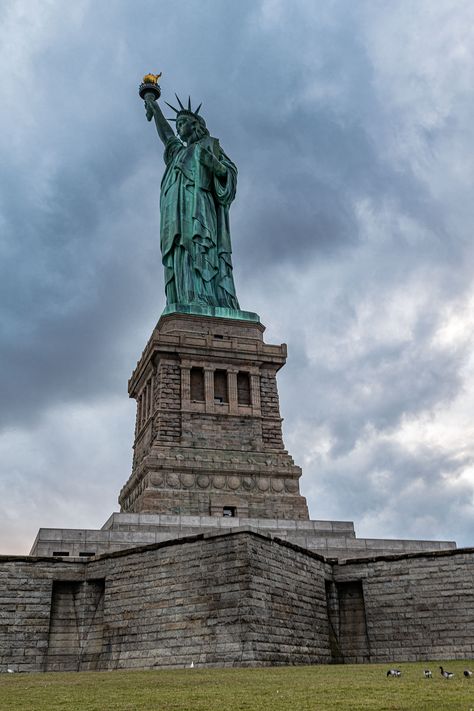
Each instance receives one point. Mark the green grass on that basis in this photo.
(317, 688)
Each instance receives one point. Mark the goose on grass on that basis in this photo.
(394, 672)
(447, 674)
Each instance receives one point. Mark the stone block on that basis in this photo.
(99, 537)
(170, 520)
(286, 523)
(56, 534)
(132, 537)
(264, 523)
(147, 519)
(342, 526)
(190, 521)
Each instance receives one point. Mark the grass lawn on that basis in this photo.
(317, 688)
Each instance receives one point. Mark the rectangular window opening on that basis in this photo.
(197, 384)
(86, 554)
(220, 386)
(243, 388)
(229, 511)
(60, 553)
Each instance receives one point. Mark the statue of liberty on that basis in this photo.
(197, 189)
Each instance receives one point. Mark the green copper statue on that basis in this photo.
(197, 189)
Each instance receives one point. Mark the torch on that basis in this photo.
(150, 89)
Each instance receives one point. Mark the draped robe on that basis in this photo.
(194, 227)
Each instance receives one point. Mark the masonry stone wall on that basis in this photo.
(288, 621)
(232, 433)
(167, 416)
(26, 586)
(417, 606)
(271, 419)
(175, 604)
(76, 626)
(235, 599)
(227, 600)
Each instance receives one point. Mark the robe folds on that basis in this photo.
(194, 226)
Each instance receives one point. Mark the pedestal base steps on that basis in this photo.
(333, 539)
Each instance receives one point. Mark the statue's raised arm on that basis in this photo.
(152, 109)
(197, 189)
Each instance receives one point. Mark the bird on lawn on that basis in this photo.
(467, 673)
(427, 674)
(394, 672)
(446, 674)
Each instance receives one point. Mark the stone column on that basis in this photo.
(140, 411)
(209, 389)
(255, 392)
(232, 391)
(185, 384)
(147, 400)
(152, 392)
(137, 418)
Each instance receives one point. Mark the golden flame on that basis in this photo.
(151, 78)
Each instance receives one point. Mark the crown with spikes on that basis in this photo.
(186, 111)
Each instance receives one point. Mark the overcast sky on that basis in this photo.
(351, 124)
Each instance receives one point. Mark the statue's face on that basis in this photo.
(185, 127)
